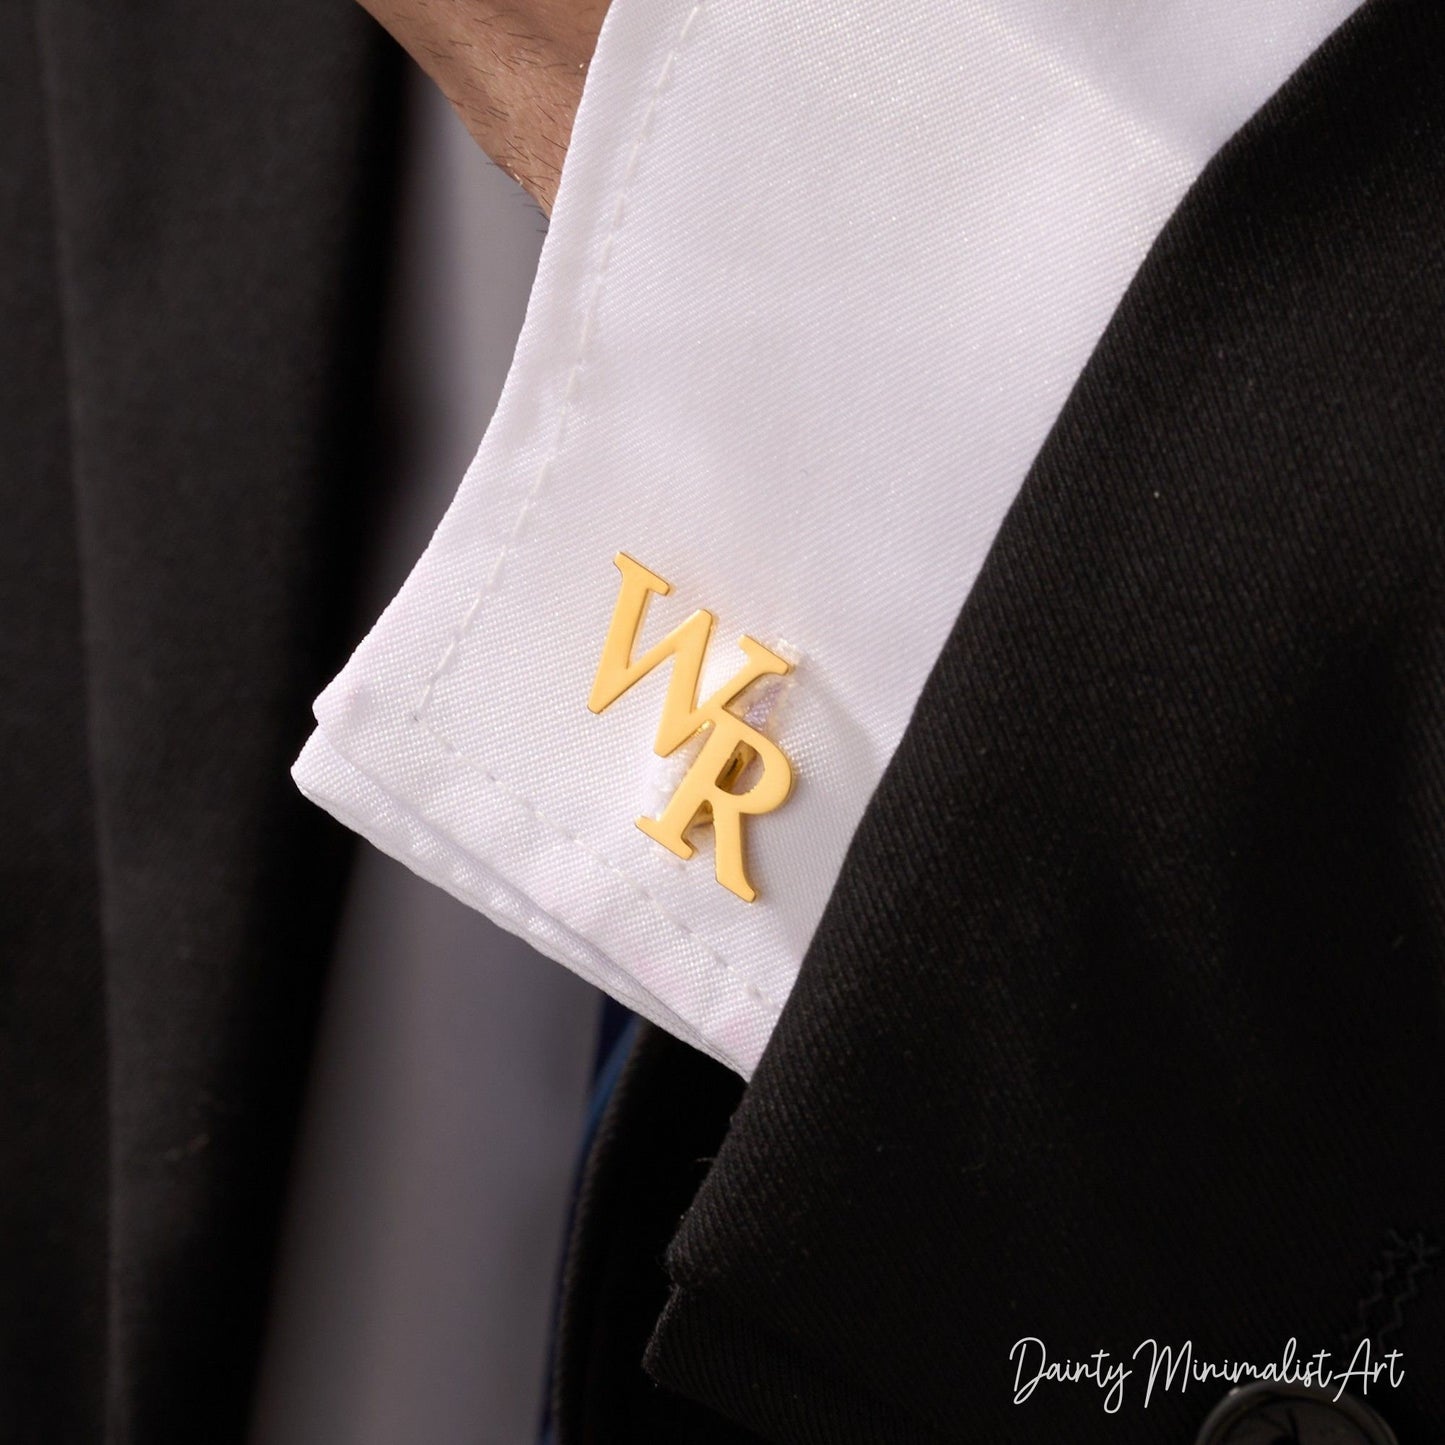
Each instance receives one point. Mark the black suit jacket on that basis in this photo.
(191, 201)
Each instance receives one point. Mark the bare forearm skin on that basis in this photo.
(513, 72)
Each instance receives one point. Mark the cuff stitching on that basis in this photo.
(644, 129)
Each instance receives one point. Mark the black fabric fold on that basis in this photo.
(196, 235)
(54, 1097)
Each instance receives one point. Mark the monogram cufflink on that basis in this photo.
(731, 750)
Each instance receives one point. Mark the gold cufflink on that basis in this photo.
(730, 747)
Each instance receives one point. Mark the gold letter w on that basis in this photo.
(730, 746)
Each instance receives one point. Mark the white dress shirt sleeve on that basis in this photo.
(818, 281)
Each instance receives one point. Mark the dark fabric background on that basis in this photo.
(192, 201)
(1125, 1019)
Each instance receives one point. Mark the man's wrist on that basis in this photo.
(513, 73)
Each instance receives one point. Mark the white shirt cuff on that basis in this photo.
(818, 281)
